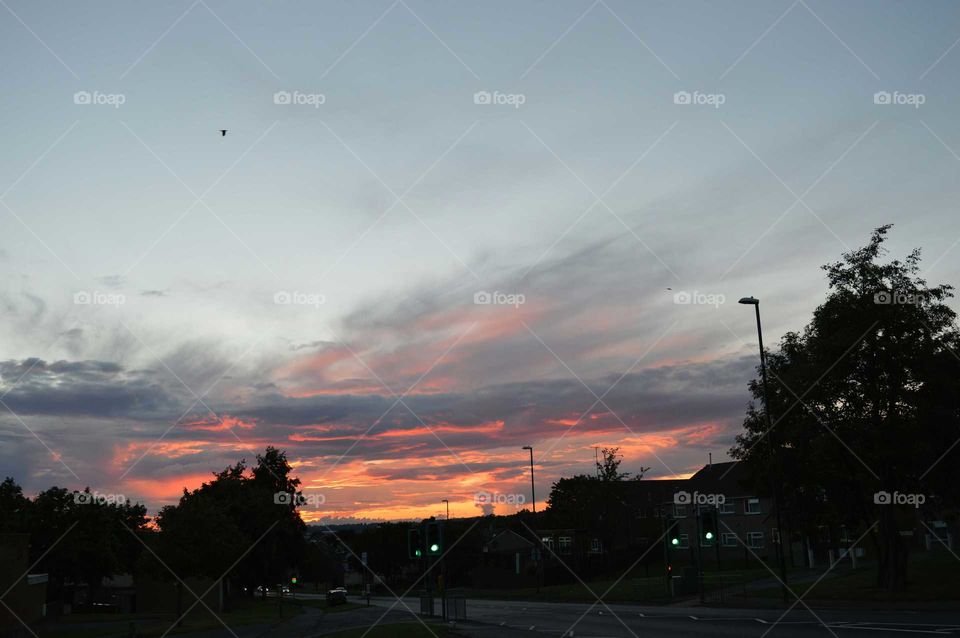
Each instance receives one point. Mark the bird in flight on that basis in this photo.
(223, 132)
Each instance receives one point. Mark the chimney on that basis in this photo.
(710, 456)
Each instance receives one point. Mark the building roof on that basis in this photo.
(731, 479)
(507, 542)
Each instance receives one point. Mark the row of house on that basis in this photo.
(746, 531)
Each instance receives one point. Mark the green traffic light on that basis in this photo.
(709, 536)
(418, 553)
(434, 548)
(675, 541)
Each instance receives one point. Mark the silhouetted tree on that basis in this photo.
(865, 399)
(236, 527)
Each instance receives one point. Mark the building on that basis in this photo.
(25, 602)
(745, 522)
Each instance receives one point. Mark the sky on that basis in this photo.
(435, 232)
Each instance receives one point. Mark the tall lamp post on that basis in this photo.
(448, 507)
(753, 301)
(533, 503)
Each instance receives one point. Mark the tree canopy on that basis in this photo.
(865, 400)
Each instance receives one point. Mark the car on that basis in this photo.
(336, 596)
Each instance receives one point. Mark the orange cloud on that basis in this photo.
(212, 423)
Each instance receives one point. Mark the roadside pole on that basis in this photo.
(696, 510)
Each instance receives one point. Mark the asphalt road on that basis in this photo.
(513, 618)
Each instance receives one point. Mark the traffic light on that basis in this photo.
(293, 580)
(708, 526)
(434, 544)
(414, 543)
(673, 535)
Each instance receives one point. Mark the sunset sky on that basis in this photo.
(174, 299)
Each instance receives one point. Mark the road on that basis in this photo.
(515, 618)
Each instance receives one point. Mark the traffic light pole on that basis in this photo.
(696, 510)
(667, 567)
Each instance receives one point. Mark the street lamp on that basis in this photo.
(533, 489)
(533, 498)
(753, 301)
(448, 507)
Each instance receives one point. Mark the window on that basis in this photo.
(594, 544)
(755, 540)
(565, 543)
(684, 541)
(679, 511)
(751, 506)
(728, 508)
(728, 539)
(775, 536)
